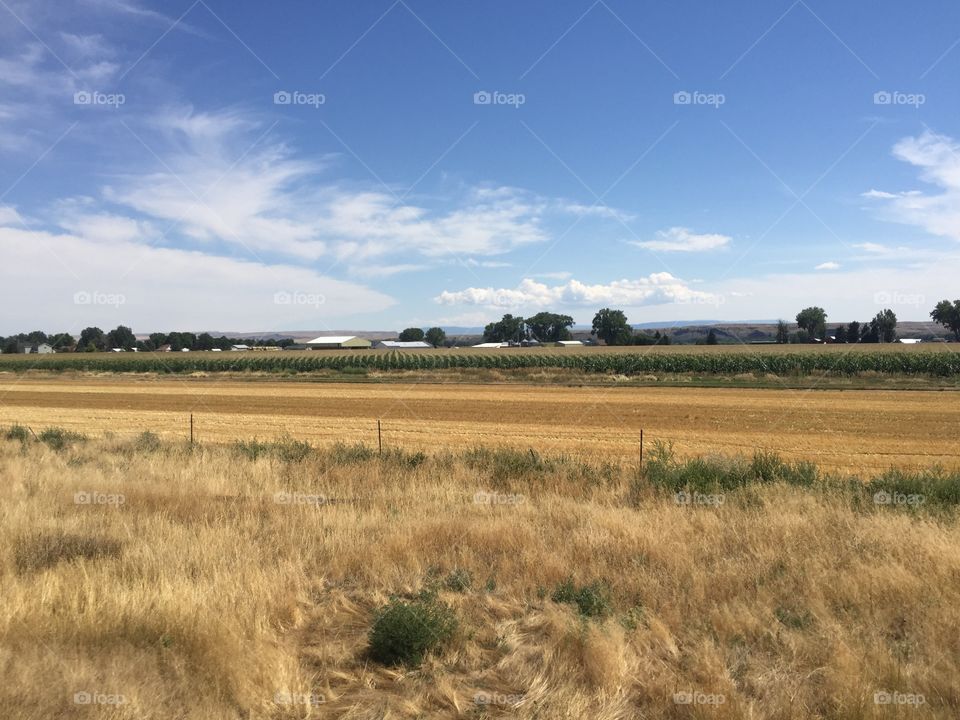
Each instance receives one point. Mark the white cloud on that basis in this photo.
(681, 239)
(938, 159)
(163, 288)
(829, 265)
(657, 288)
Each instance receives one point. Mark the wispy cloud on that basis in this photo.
(681, 239)
(829, 265)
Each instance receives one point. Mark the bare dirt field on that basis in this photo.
(850, 431)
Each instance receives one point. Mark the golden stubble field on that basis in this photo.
(850, 430)
(187, 590)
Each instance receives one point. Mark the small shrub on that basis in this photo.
(592, 600)
(343, 454)
(43, 550)
(17, 432)
(59, 439)
(404, 459)
(459, 580)
(404, 632)
(147, 442)
(286, 449)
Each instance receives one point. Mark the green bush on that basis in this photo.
(147, 442)
(592, 600)
(286, 449)
(59, 439)
(405, 631)
(18, 432)
(933, 486)
(459, 580)
(343, 454)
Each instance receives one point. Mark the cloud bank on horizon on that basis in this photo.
(195, 173)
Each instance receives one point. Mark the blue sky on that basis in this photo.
(379, 164)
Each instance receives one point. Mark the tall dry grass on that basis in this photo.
(190, 591)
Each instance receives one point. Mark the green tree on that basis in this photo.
(121, 337)
(854, 331)
(411, 335)
(436, 336)
(550, 327)
(948, 315)
(92, 339)
(62, 341)
(11, 346)
(885, 326)
(814, 321)
(840, 334)
(205, 341)
(712, 337)
(783, 332)
(508, 329)
(612, 327)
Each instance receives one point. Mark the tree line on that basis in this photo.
(93, 339)
(812, 326)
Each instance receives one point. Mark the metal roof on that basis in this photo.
(405, 344)
(331, 339)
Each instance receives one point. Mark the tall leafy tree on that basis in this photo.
(854, 331)
(884, 326)
(121, 337)
(91, 339)
(436, 336)
(712, 337)
(783, 332)
(507, 329)
(948, 315)
(814, 321)
(550, 327)
(411, 335)
(612, 327)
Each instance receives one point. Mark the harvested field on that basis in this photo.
(841, 430)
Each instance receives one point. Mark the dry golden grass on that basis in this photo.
(841, 430)
(200, 596)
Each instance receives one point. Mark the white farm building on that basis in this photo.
(338, 342)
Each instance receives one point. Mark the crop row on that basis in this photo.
(850, 363)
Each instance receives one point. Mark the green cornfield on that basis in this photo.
(891, 361)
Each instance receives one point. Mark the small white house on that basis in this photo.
(569, 343)
(239, 348)
(910, 341)
(491, 345)
(44, 349)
